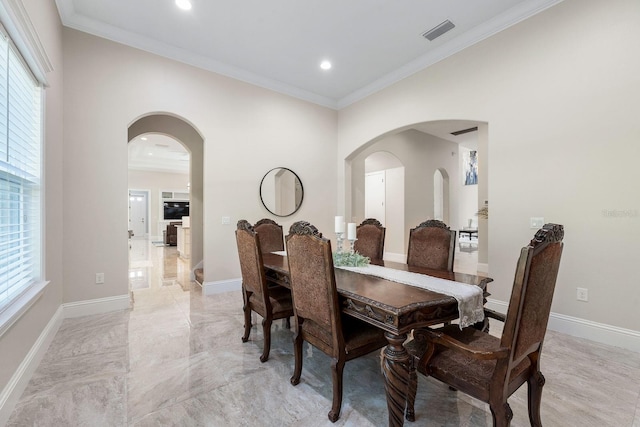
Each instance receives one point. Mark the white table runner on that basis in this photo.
(469, 297)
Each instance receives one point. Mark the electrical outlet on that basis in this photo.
(99, 278)
(536, 222)
(582, 294)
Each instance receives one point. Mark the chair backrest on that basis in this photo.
(251, 266)
(270, 232)
(313, 284)
(370, 239)
(432, 245)
(530, 304)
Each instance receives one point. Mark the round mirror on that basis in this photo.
(281, 191)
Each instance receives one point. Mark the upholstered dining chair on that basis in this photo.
(370, 239)
(432, 245)
(489, 368)
(270, 232)
(317, 309)
(270, 302)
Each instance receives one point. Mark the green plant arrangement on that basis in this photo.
(483, 212)
(347, 259)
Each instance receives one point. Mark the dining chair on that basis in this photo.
(270, 302)
(432, 245)
(489, 368)
(317, 309)
(370, 239)
(270, 232)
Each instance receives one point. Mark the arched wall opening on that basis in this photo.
(441, 195)
(184, 132)
(423, 148)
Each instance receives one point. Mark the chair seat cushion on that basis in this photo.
(280, 298)
(360, 336)
(464, 372)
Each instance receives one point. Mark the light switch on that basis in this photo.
(226, 220)
(536, 222)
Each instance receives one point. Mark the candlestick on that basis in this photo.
(352, 246)
(351, 231)
(339, 241)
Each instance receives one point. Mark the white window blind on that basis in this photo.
(20, 175)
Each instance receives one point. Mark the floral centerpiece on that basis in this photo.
(348, 259)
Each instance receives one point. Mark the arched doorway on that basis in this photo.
(184, 132)
(424, 148)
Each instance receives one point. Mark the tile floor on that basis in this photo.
(176, 359)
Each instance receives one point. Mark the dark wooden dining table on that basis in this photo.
(394, 307)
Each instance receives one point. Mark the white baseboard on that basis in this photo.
(393, 257)
(497, 305)
(581, 328)
(18, 382)
(212, 288)
(96, 306)
(21, 377)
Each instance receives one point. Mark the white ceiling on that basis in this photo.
(158, 153)
(279, 44)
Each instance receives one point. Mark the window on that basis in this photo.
(20, 175)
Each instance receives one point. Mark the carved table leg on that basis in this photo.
(395, 368)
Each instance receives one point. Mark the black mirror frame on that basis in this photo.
(301, 188)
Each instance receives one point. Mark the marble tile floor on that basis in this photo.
(176, 359)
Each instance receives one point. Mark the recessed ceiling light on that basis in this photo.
(325, 65)
(144, 138)
(183, 4)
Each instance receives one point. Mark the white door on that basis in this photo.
(374, 196)
(138, 213)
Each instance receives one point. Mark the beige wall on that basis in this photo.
(394, 215)
(247, 131)
(18, 340)
(560, 93)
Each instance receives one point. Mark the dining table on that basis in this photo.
(394, 307)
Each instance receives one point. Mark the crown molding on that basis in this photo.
(499, 23)
(493, 26)
(72, 20)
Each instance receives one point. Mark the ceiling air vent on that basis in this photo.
(463, 131)
(438, 30)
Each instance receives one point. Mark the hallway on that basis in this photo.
(152, 265)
